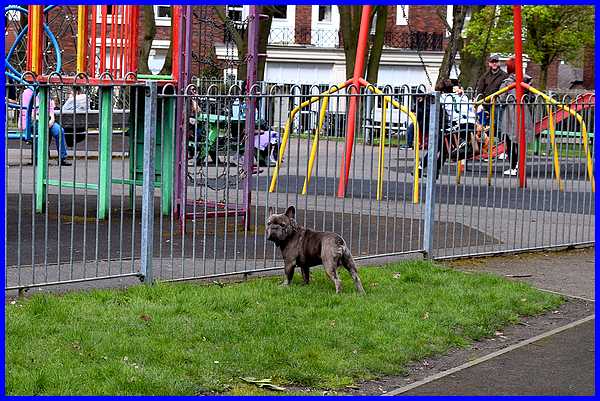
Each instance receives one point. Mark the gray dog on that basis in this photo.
(305, 248)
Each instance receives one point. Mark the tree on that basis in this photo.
(350, 17)
(148, 34)
(550, 33)
(241, 39)
(557, 31)
(472, 66)
(455, 41)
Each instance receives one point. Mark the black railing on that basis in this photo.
(332, 38)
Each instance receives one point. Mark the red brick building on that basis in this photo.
(305, 44)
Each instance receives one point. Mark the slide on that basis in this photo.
(582, 102)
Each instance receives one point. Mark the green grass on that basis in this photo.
(192, 339)
(565, 150)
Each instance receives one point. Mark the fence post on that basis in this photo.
(432, 142)
(150, 109)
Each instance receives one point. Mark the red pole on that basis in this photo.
(359, 68)
(176, 53)
(113, 33)
(520, 125)
(102, 67)
(92, 66)
(122, 33)
(135, 33)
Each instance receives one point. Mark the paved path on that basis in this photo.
(559, 362)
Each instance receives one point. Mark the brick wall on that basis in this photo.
(533, 70)
(303, 24)
(420, 19)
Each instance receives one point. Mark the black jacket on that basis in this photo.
(490, 82)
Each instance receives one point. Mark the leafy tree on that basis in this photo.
(549, 33)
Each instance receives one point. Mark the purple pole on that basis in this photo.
(251, 60)
(180, 190)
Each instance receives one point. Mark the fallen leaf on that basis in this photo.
(145, 318)
(425, 316)
(263, 383)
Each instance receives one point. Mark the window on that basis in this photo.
(13, 15)
(109, 14)
(162, 15)
(280, 12)
(402, 15)
(235, 13)
(324, 13)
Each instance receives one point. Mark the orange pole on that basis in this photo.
(34, 39)
(520, 125)
(359, 68)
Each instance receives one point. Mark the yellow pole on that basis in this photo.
(81, 37)
(286, 131)
(382, 149)
(493, 95)
(413, 118)
(554, 149)
(315, 145)
(491, 144)
(583, 130)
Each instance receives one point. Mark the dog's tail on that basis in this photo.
(348, 262)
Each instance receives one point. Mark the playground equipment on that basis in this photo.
(108, 61)
(107, 57)
(548, 123)
(354, 84)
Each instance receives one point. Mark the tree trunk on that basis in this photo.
(543, 81)
(455, 42)
(377, 47)
(263, 40)
(168, 65)
(350, 25)
(148, 33)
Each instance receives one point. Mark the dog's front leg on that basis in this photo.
(289, 272)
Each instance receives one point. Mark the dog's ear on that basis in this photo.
(291, 212)
(271, 211)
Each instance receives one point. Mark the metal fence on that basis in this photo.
(145, 199)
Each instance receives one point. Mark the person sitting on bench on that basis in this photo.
(55, 130)
(77, 101)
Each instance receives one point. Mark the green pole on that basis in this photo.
(105, 154)
(155, 77)
(167, 136)
(42, 149)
